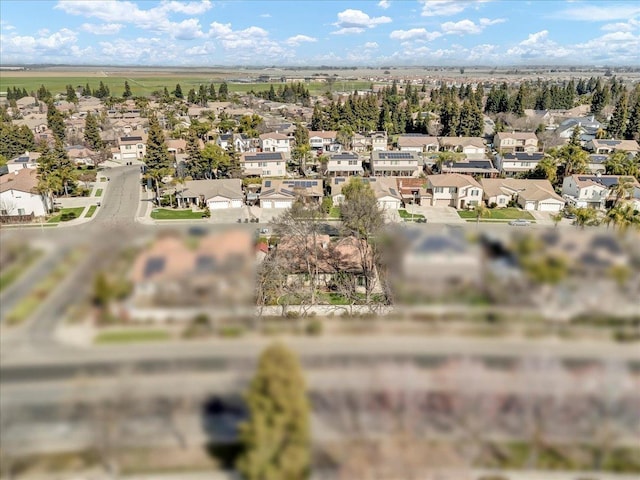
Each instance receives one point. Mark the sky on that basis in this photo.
(327, 32)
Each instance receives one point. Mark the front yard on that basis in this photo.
(131, 336)
(509, 213)
(66, 214)
(408, 216)
(167, 214)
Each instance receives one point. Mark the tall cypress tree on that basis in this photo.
(127, 90)
(157, 160)
(276, 437)
(92, 133)
(55, 121)
(632, 131)
(618, 121)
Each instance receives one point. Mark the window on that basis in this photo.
(353, 162)
(475, 193)
(339, 162)
(21, 211)
(439, 190)
(140, 146)
(502, 200)
(453, 189)
(127, 147)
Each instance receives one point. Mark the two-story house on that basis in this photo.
(379, 141)
(416, 142)
(591, 191)
(26, 160)
(325, 141)
(344, 164)
(130, 148)
(394, 163)
(275, 142)
(263, 164)
(511, 142)
(512, 164)
(454, 190)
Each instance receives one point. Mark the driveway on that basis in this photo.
(447, 215)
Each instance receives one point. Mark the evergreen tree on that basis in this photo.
(157, 159)
(191, 96)
(212, 93)
(317, 119)
(127, 90)
(617, 124)
(178, 91)
(14, 139)
(43, 94)
(632, 131)
(55, 121)
(519, 101)
(223, 92)
(71, 94)
(276, 438)
(92, 133)
(86, 91)
(449, 119)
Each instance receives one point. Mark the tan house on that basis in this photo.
(418, 143)
(472, 147)
(512, 142)
(529, 194)
(454, 190)
(263, 164)
(605, 147)
(283, 193)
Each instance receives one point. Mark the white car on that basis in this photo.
(520, 222)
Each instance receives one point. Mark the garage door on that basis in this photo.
(282, 203)
(550, 207)
(236, 203)
(219, 205)
(266, 204)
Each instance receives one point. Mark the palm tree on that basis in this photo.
(622, 189)
(586, 217)
(613, 216)
(557, 218)
(614, 165)
(481, 211)
(629, 217)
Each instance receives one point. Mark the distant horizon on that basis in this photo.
(407, 33)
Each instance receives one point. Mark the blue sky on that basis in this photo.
(357, 32)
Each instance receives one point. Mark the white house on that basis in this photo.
(131, 148)
(18, 194)
(282, 193)
(530, 194)
(512, 164)
(591, 190)
(26, 160)
(454, 190)
(344, 164)
(472, 147)
(417, 143)
(394, 163)
(275, 142)
(604, 147)
(324, 141)
(385, 190)
(263, 164)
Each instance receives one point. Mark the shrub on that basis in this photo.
(231, 332)
(65, 217)
(293, 314)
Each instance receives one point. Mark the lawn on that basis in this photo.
(99, 192)
(334, 212)
(76, 211)
(91, 211)
(509, 213)
(131, 336)
(166, 214)
(407, 216)
(11, 273)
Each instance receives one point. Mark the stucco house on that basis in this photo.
(529, 194)
(512, 164)
(385, 190)
(394, 163)
(418, 143)
(344, 164)
(604, 147)
(592, 190)
(25, 160)
(263, 164)
(472, 147)
(275, 142)
(131, 147)
(18, 195)
(511, 142)
(216, 194)
(454, 190)
(283, 193)
(325, 141)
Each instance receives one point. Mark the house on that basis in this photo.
(275, 142)
(540, 117)
(605, 147)
(385, 190)
(263, 164)
(372, 141)
(472, 147)
(512, 164)
(436, 263)
(482, 167)
(80, 155)
(413, 191)
(596, 163)
(283, 193)
(26, 160)
(379, 141)
(588, 127)
(26, 102)
(18, 194)
(36, 122)
(218, 271)
(592, 191)
(344, 164)
(454, 190)
(176, 146)
(394, 163)
(131, 148)
(330, 262)
(217, 194)
(324, 141)
(416, 142)
(529, 194)
(511, 142)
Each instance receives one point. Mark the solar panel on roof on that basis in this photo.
(154, 265)
(287, 192)
(22, 159)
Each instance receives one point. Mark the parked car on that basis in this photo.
(520, 222)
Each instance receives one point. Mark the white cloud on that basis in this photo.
(446, 8)
(6, 26)
(460, 28)
(370, 46)
(535, 38)
(265, 15)
(248, 44)
(298, 39)
(103, 29)
(58, 46)
(485, 22)
(594, 13)
(384, 4)
(414, 34)
(629, 26)
(356, 21)
(155, 19)
(538, 45)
